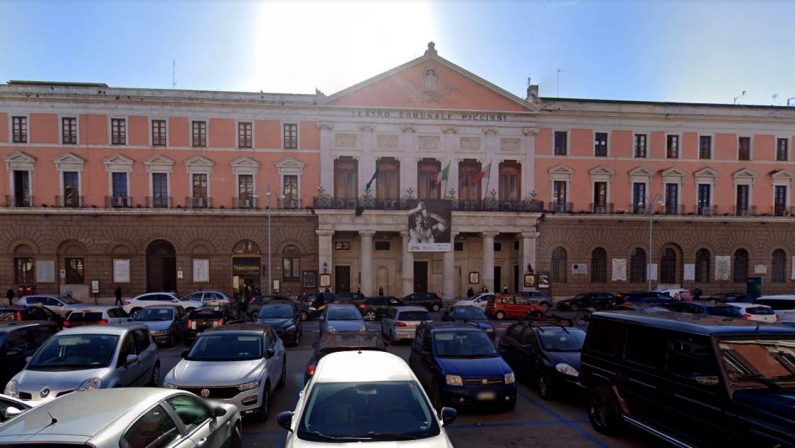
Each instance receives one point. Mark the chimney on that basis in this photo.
(532, 93)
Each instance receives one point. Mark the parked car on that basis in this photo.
(11, 407)
(284, 318)
(690, 380)
(546, 352)
(731, 297)
(256, 302)
(480, 300)
(313, 304)
(459, 365)
(340, 342)
(25, 313)
(513, 306)
(365, 396)
(644, 298)
(135, 304)
(166, 323)
(339, 317)
(400, 322)
(86, 358)
(240, 364)
(127, 418)
(471, 315)
(210, 298)
(756, 312)
(63, 305)
(595, 300)
(430, 300)
(96, 315)
(18, 340)
(203, 318)
(377, 307)
(704, 308)
(677, 293)
(349, 297)
(542, 298)
(783, 305)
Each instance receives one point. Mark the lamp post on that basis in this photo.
(658, 198)
(268, 195)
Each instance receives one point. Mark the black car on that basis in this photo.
(545, 351)
(429, 300)
(23, 313)
(471, 315)
(339, 342)
(692, 380)
(376, 307)
(256, 302)
(349, 297)
(596, 300)
(284, 318)
(18, 340)
(311, 305)
(731, 297)
(203, 318)
(645, 298)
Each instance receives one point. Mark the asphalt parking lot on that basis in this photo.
(534, 422)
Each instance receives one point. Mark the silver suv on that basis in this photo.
(86, 358)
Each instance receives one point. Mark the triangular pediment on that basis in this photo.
(199, 161)
(601, 171)
(244, 162)
(158, 161)
(706, 172)
(781, 174)
(20, 157)
(640, 171)
(561, 169)
(673, 172)
(117, 159)
(290, 163)
(429, 82)
(69, 159)
(744, 173)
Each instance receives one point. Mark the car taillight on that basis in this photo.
(103, 322)
(361, 306)
(67, 324)
(310, 370)
(218, 323)
(747, 316)
(19, 315)
(190, 325)
(400, 324)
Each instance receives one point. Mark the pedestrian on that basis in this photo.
(10, 296)
(697, 293)
(117, 293)
(381, 291)
(470, 292)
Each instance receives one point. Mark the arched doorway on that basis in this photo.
(246, 271)
(161, 266)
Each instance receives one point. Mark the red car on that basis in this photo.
(513, 306)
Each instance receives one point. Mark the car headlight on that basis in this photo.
(11, 389)
(567, 369)
(453, 380)
(168, 385)
(248, 386)
(90, 384)
(510, 378)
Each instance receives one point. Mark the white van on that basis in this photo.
(783, 305)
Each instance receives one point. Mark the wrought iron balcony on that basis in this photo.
(158, 201)
(602, 209)
(198, 202)
(371, 203)
(247, 202)
(118, 201)
(19, 201)
(674, 209)
(744, 211)
(69, 201)
(782, 210)
(706, 210)
(289, 203)
(560, 207)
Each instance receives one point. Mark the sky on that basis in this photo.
(690, 51)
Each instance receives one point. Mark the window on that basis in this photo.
(290, 136)
(705, 147)
(75, 270)
(22, 197)
(69, 130)
(668, 266)
(199, 133)
(382, 245)
(19, 127)
(740, 265)
(702, 266)
(782, 149)
(23, 270)
(428, 182)
(154, 430)
(142, 340)
(497, 247)
(598, 266)
(638, 197)
(600, 197)
(779, 274)
(387, 182)
(742, 206)
(637, 266)
(190, 411)
(780, 200)
(199, 190)
(606, 338)
(469, 180)
(71, 189)
(671, 198)
(704, 198)
(120, 190)
(290, 197)
(245, 190)
(691, 357)
(559, 196)
(744, 148)
(559, 265)
(509, 185)
(346, 177)
(600, 144)
(118, 131)
(160, 198)
(646, 348)
(244, 135)
(640, 145)
(158, 132)
(291, 263)
(561, 143)
(672, 147)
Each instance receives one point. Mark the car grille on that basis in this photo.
(215, 392)
(480, 381)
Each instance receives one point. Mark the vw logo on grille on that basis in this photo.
(205, 393)
(44, 392)
(484, 381)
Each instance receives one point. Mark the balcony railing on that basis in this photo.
(674, 209)
(636, 209)
(782, 210)
(198, 202)
(69, 201)
(744, 211)
(560, 207)
(118, 201)
(706, 210)
(249, 202)
(371, 203)
(289, 203)
(602, 209)
(158, 201)
(19, 201)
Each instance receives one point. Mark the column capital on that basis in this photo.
(530, 131)
(367, 233)
(324, 232)
(449, 130)
(366, 128)
(325, 126)
(489, 131)
(404, 233)
(491, 235)
(530, 234)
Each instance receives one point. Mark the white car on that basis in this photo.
(97, 315)
(480, 301)
(62, 305)
(210, 298)
(365, 396)
(783, 305)
(135, 304)
(756, 312)
(401, 322)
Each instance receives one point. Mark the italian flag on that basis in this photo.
(483, 173)
(442, 176)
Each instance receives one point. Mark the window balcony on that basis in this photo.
(69, 201)
(370, 203)
(706, 210)
(602, 209)
(19, 201)
(782, 210)
(247, 202)
(638, 209)
(198, 202)
(158, 201)
(118, 201)
(674, 209)
(744, 211)
(560, 207)
(289, 203)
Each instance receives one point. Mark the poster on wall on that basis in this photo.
(429, 226)
(689, 272)
(579, 269)
(45, 271)
(121, 270)
(723, 265)
(619, 269)
(543, 280)
(201, 270)
(652, 272)
(309, 279)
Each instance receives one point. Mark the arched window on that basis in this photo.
(291, 263)
(668, 266)
(246, 247)
(387, 184)
(469, 180)
(598, 266)
(559, 262)
(637, 266)
(779, 274)
(510, 181)
(427, 175)
(702, 266)
(740, 265)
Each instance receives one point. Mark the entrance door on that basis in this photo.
(161, 267)
(420, 276)
(342, 279)
(497, 279)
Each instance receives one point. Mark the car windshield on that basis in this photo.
(413, 316)
(560, 340)
(343, 314)
(226, 347)
(760, 310)
(726, 311)
(84, 316)
(758, 362)
(155, 314)
(75, 352)
(469, 313)
(377, 411)
(69, 300)
(463, 344)
(276, 312)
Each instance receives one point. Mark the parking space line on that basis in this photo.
(568, 423)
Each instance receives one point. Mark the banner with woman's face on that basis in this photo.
(429, 226)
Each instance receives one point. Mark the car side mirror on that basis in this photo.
(130, 359)
(269, 353)
(218, 411)
(448, 415)
(285, 419)
(11, 412)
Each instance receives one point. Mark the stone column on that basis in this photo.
(448, 277)
(324, 250)
(366, 261)
(529, 240)
(528, 173)
(407, 266)
(487, 276)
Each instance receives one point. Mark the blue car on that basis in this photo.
(471, 315)
(458, 365)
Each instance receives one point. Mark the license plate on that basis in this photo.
(486, 395)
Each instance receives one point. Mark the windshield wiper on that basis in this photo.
(759, 379)
(385, 436)
(322, 436)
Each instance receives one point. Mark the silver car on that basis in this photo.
(401, 322)
(127, 418)
(240, 364)
(62, 305)
(86, 358)
(11, 407)
(166, 323)
(96, 315)
(338, 318)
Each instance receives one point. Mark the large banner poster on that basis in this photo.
(429, 226)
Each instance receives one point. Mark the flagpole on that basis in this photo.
(488, 179)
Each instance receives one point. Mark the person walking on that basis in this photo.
(10, 294)
(470, 292)
(117, 293)
(381, 291)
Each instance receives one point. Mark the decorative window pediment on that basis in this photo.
(672, 175)
(561, 172)
(199, 161)
(290, 166)
(20, 161)
(159, 164)
(244, 162)
(117, 163)
(706, 174)
(69, 162)
(640, 171)
(744, 176)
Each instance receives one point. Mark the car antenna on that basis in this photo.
(53, 420)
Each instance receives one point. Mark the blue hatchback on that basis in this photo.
(459, 365)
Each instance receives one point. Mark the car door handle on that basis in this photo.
(201, 442)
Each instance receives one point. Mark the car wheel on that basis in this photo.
(265, 408)
(283, 376)
(369, 315)
(500, 315)
(236, 439)
(603, 411)
(154, 381)
(545, 390)
(435, 307)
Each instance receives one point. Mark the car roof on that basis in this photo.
(403, 309)
(240, 328)
(165, 305)
(105, 329)
(778, 297)
(352, 340)
(694, 324)
(448, 326)
(362, 367)
(12, 325)
(341, 305)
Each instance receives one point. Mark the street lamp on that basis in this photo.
(659, 199)
(268, 195)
